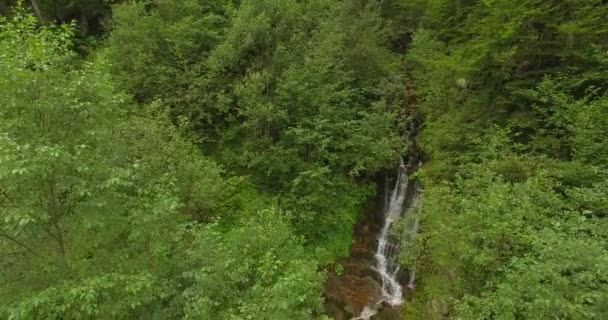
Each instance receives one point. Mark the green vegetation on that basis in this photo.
(514, 100)
(209, 159)
(206, 161)
(276, 90)
(100, 204)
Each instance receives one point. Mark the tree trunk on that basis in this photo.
(55, 217)
(84, 24)
(4, 8)
(38, 12)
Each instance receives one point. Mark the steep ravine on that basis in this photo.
(372, 285)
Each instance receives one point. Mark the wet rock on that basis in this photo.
(336, 312)
(351, 293)
(388, 313)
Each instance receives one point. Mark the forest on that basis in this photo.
(215, 159)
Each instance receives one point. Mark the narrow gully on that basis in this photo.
(373, 286)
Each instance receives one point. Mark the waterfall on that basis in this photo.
(386, 264)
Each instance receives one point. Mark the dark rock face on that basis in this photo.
(357, 287)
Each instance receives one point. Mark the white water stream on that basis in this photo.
(387, 252)
(386, 264)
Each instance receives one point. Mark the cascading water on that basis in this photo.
(386, 264)
(371, 284)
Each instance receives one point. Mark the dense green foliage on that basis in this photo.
(100, 204)
(111, 210)
(206, 159)
(90, 15)
(513, 95)
(277, 90)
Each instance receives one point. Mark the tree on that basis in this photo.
(276, 90)
(106, 210)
